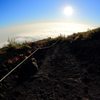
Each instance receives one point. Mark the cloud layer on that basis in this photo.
(36, 31)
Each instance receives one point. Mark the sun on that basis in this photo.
(68, 10)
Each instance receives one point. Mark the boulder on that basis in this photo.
(28, 69)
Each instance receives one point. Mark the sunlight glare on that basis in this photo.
(68, 10)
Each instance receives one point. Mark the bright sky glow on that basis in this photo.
(36, 19)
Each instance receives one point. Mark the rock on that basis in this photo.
(1, 96)
(16, 76)
(28, 69)
(34, 62)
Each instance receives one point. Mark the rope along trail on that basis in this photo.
(26, 59)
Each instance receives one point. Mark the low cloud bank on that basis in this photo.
(37, 31)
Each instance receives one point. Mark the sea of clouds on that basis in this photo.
(37, 31)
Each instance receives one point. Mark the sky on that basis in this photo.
(36, 19)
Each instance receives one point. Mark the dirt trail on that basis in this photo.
(60, 77)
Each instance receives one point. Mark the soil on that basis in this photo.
(67, 71)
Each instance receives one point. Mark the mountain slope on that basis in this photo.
(70, 70)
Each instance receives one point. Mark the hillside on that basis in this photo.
(69, 70)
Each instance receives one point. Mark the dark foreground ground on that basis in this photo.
(67, 71)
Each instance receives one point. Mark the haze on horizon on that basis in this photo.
(36, 19)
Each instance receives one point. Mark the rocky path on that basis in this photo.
(60, 77)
